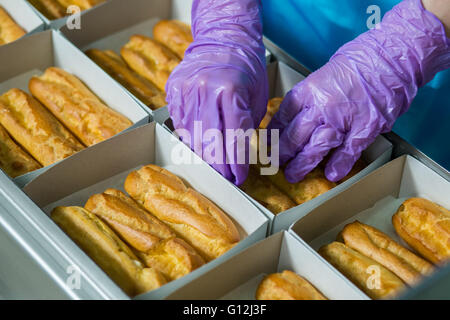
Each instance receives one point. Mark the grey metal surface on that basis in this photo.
(35, 255)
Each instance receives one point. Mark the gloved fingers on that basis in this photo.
(238, 128)
(297, 134)
(291, 106)
(323, 140)
(343, 158)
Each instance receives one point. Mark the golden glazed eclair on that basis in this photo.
(36, 129)
(150, 238)
(314, 184)
(56, 9)
(80, 110)
(370, 276)
(82, 4)
(51, 9)
(262, 190)
(13, 159)
(9, 30)
(425, 226)
(192, 216)
(140, 87)
(287, 285)
(381, 248)
(100, 243)
(150, 59)
(174, 34)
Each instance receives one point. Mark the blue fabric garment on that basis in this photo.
(312, 30)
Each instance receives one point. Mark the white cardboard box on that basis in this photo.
(33, 54)
(23, 15)
(107, 164)
(282, 79)
(373, 200)
(109, 28)
(58, 23)
(239, 277)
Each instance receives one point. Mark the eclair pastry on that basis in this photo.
(152, 240)
(150, 59)
(381, 248)
(174, 34)
(56, 9)
(362, 271)
(193, 217)
(100, 243)
(14, 161)
(51, 9)
(140, 87)
(80, 110)
(287, 285)
(35, 128)
(313, 185)
(425, 227)
(82, 4)
(9, 30)
(262, 190)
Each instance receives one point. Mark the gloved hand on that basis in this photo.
(360, 92)
(222, 81)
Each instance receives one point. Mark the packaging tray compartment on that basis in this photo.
(373, 200)
(239, 277)
(31, 55)
(107, 164)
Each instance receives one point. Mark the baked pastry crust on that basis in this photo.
(82, 4)
(9, 30)
(140, 87)
(174, 34)
(56, 9)
(51, 9)
(100, 243)
(381, 248)
(36, 129)
(287, 285)
(262, 190)
(192, 216)
(151, 239)
(150, 59)
(14, 161)
(80, 110)
(356, 267)
(272, 108)
(314, 184)
(425, 227)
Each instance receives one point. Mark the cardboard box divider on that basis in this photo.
(106, 164)
(23, 15)
(373, 200)
(108, 28)
(281, 80)
(239, 277)
(33, 54)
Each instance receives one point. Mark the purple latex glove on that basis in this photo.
(360, 92)
(222, 79)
